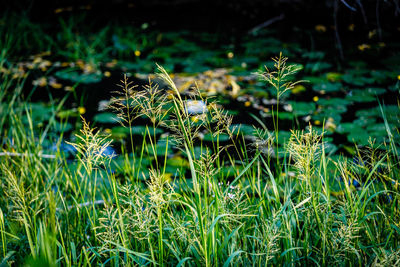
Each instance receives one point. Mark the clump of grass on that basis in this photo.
(305, 150)
(281, 80)
(91, 146)
(85, 214)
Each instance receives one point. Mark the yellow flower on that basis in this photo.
(363, 47)
(317, 122)
(247, 104)
(398, 77)
(167, 177)
(230, 55)
(333, 76)
(315, 98)
(82, 110)
(88, 68)
(320, 28)
(107, 73)
(56, 85)
(137, 53)
(371, 34)
(298, 89)
(112, 63)
(330, 124)
(194, 119)
(42, 82)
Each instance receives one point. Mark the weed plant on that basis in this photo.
(297, 212)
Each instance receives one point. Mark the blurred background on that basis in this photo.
(347, 50)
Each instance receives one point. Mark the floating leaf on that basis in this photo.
(67, 113)
(333, 101)
(359, 95)
(358, 136)
(160, 148)
(61, 127)
(313, 55)
(136, 130)
(302, 108)
(356, 80)
(283, 137)
(76, 77)
(106, 117)
(333, 76)
(285, 115)
(221, 137)
(244, 129)
(177, 161)
(317, 66)
(327, 87)
(229, 171)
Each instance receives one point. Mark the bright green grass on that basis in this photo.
(286, 209)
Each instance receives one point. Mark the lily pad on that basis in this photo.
(359, 95)
(302, 108)
(283, 137)
(229, 171)
(334, 101)
(349, 127)
(161, 149)
(327, 87)
(76, 77)
(61, 127)
(106, 117)
(285, 116)
(357, 80)
(136, 130)
(333, 76)
(317, 66)
(334, 109)
(313, 55)
(67, 113)
(221, 137)
(177, 161)
(358, 136)
(244, 129)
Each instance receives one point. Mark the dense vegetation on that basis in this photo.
(217, 156)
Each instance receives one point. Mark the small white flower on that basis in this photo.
(231, 196)
(195, 107)
(288, 107)
(307, 118)
(103, 104)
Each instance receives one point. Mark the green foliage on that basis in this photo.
(194, 189)
(207, 192)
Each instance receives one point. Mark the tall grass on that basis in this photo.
(83, 213)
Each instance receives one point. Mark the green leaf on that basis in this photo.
(106, 117)
(234, 254)
(76, 77)
(302, 108)
(327, 87)
(221, 137)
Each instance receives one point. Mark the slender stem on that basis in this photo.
(160, 239)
